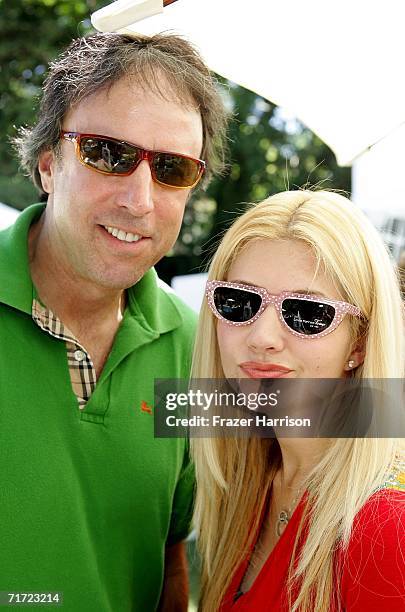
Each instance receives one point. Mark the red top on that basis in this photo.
(371, 571)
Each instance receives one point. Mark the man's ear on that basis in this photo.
(46, 165)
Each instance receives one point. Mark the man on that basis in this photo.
(92, 505)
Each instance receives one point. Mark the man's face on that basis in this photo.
(83, 203)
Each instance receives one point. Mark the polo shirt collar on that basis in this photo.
(149, 300)
(16, 288)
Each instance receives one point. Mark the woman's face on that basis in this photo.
(265, 348)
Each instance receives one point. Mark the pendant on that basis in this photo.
(282, 521)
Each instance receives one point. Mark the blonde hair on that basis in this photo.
(234, 475)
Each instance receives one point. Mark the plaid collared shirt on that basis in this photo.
(81, 368)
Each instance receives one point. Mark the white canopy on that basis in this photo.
(337, 66)
(7, 215)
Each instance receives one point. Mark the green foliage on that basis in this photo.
(32, 33)
(269, 152)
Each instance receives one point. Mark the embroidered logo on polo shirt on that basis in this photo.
(145, 407)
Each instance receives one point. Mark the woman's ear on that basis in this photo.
(356, 356)
(46, 170)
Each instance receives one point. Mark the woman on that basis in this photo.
(301, 524)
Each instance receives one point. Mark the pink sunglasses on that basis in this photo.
(306, 316)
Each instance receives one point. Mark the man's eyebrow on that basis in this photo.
(303, 291)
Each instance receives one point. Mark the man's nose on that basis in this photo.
(267, 333)
(136, 190)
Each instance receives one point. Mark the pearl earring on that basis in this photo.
(350, 363)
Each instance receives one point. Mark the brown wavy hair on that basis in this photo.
(164, 63)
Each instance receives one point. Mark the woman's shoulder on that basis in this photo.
(372, 566)
(384, 511)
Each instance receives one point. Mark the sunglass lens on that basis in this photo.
(307, 317)
(175, 170)
(108, 155)
(236, 305)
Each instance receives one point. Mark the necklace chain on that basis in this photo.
(285, 514)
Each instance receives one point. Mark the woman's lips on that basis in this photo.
(264, 370)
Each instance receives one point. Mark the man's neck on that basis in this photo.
(78, 302)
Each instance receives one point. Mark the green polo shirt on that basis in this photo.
(89, 498)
